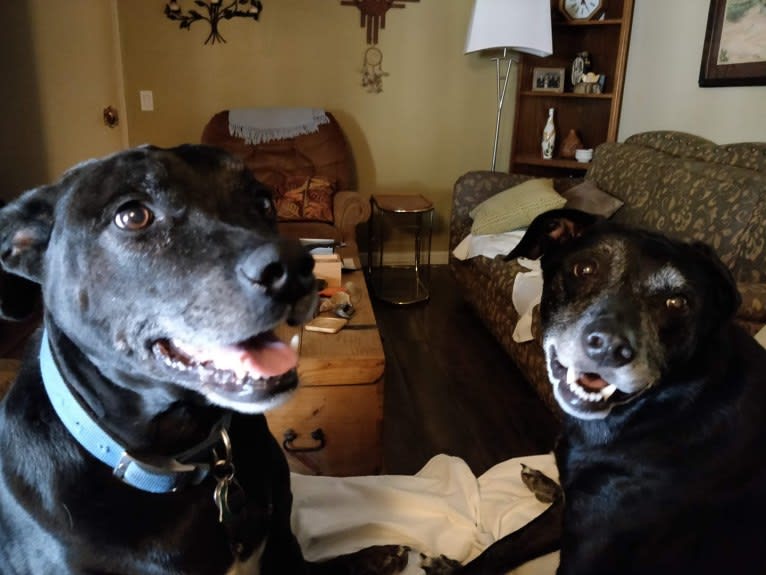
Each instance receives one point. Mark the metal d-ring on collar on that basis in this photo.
(161, 474)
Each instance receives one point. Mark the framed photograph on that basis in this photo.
(548, 79)
(735, 44)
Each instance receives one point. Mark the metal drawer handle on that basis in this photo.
(291, 436)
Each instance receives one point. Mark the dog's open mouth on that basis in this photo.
(583, 393)
(249, 371)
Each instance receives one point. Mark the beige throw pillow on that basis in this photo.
(515, 207)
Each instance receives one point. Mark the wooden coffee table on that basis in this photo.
(332, 425)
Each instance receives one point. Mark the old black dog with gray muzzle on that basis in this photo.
(133, 440)
(661, 452)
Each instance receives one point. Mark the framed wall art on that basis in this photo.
(548, 79)
(734, 53)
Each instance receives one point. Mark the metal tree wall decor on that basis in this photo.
(373, 17)
(217, 10)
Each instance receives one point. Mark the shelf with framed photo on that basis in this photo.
(548, 80)
(591, 104)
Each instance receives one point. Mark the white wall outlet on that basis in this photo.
(147, 100)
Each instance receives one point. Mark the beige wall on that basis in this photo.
(661, 91)
(433, 121)
(62, 70)
(23, 161)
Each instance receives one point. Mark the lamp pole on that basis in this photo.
(505, 58)
(511, 25)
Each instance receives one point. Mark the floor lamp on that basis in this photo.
(520, 25)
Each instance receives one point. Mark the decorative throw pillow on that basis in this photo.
(590, 198)
(305, 198)
(515, 207)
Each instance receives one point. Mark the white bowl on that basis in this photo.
(584, 155)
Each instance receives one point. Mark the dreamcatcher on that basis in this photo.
(372, 70)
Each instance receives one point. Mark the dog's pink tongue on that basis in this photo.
(269, 356)
(261, 356)
(592, 381)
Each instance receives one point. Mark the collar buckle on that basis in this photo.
(165, 475)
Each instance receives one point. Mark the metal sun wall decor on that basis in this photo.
(217, 10)
(373, 17)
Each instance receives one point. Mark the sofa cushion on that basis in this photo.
(628, 173)
(515, 207)
(704, 202)
(307, 199)
(686, 197)
(672, 143)
(748, 155)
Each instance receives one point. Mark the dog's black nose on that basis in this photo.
(605, 344)
(284, 269)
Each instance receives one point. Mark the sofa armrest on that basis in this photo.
(470, 190)
(350, 208)
(753, 308)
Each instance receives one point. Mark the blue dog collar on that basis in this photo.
(166, 475)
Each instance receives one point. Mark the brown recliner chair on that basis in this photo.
(323, 153)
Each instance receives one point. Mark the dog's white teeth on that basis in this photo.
(608, 391)
(579, 390)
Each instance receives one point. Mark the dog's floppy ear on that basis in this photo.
(727, 298)
(19, 297)
(25, 227)
(550, 229)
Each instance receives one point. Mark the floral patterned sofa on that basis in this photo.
(677, 183)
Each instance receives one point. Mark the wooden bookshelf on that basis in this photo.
(595, 117)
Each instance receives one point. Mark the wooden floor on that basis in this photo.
(450, 387)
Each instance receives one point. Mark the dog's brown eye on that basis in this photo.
(584, 268)
(676, 303)
(133, 216)
(267, 208)
(264, 207)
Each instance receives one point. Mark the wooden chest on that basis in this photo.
(332, 425)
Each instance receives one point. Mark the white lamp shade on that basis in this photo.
(522, 25)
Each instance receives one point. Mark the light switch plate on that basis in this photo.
(147, 100)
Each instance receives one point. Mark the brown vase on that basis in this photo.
(570, 145)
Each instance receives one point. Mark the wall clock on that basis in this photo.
(581, 9)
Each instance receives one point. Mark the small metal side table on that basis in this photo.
(402, 278)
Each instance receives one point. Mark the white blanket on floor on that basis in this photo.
(443, 509)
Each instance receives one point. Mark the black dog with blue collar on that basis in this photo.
(133, 440)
